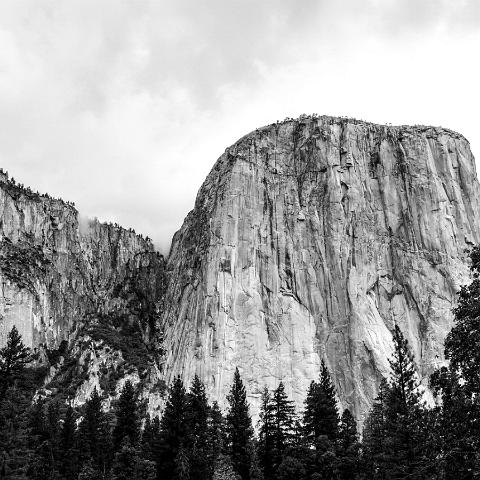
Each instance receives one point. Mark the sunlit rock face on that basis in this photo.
(310, 239)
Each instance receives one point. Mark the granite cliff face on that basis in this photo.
(84, 295)
(309, 240)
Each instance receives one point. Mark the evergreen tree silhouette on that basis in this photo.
(127, 422)
(182, 465)
(94, 437)
(150, 443)
(462, 345)
(239, 431)
(375, 436)
(283, 415)
(197, 418)
(266, 445)
(215, 436)
(321, 413)
(223, 469)
(68, 451)
(173, 429)
(128, 464)
(13, 359)
(402, 410)
(348, 447)
(457, 439)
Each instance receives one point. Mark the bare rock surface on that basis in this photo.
(310, 239)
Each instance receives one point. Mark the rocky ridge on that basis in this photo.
(83, 294)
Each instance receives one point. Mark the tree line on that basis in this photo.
(402, 438)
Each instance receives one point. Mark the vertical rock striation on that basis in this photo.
(310, 239)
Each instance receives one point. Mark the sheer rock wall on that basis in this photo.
(309, 240)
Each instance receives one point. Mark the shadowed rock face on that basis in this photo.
(80, 292)
(309, 240)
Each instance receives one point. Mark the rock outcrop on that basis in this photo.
(310, 239)
(83, 294)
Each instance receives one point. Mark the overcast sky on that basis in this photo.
(124, 106)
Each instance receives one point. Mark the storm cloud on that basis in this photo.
(124, 106)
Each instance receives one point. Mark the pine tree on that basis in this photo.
(290, 468)
(348, 447)
(40, 462)
(256, 472)
(197, 419)
(458, 386)
(374, 436)
(328, 405)
(68, 452)
(173, 429)
(94, 440)
(13, 359)
(321, 414)
(182, 465)
(403, 382)
(402, 412)
(215, 436)
(53, 436)
(89, 472)
(150, 438)
(128, 464)
(266, 436)
(455, 442)
(283, 415)
(223, 469)
(462, 345)
(310, 420)
(239, 429)
(128, 424)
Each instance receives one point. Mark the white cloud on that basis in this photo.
(123, 106)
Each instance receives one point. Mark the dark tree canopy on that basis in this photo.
(173, 429)
(127, 419)
(14, 356)
(321, 413)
